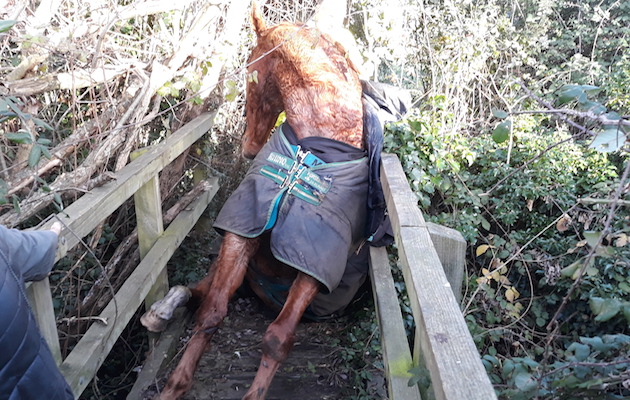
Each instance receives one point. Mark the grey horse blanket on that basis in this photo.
(311, 195)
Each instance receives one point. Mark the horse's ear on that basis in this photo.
(258, 21)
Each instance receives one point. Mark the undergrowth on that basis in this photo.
(528, 238)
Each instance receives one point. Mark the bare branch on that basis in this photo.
(600, 118)
(77, 79)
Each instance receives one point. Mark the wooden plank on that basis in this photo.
(82, 363)
(80, 218)
(401, 202)
(161, 353)
(396, 353)
(442, 335)
(40, 299)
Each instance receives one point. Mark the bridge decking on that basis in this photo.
(226, 370)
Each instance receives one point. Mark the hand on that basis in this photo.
(56, 227)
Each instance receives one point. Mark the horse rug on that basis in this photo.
(311, 195)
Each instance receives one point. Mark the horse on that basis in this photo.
(319, 157)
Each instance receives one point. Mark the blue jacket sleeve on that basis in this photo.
(32, 253)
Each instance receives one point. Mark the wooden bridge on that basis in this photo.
(432, 259)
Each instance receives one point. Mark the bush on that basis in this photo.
(529, 236)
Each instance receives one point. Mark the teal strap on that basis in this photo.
(298, 171)
(294, 188)
(302, 171)
(309, 159)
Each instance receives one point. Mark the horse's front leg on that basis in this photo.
(160, 313)
(230, 270)
(280, 335)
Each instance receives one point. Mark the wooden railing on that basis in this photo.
(138, 179)
(431, 257)
(432, 262)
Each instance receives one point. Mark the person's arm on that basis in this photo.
(30, 252)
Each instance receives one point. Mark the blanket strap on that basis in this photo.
(299, 179)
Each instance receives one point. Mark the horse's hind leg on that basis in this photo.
(280, 335)
(230, 271)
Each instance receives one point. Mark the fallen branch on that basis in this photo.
(67, 147)
(78, 79)
(551, 107)
(55, 162)
(94, 161)
(26, 65)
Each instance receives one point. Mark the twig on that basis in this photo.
(586, 364)
(578, 114)
(55, 162)
(70, 320)
(525, 164)
(590, 200)
(107, 271)
(591, 254)
(551, 107)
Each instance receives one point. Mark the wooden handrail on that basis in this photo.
(138, 178)
(443, 344)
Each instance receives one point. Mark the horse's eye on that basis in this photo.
(245, 111)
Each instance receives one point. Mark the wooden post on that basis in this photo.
(41, 303)
(40, 299)
(451, 249)
(85, 359)
(150, 227)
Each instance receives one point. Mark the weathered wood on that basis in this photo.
(396, 353)
(161, 352)
(107, 198)
(450, 246)
(82, 363)
(74, 80)
(442, 336)
(40, 299)
(64, 149)
(125, 256)
(148, 204)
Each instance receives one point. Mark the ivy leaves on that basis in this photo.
(606, 309)
(40, 146)
(612, 135)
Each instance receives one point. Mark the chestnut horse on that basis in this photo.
(306, 74)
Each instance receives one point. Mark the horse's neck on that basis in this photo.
(325, 109)
(320, 91)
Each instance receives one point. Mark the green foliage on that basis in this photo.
(6, 25)
(189, 83)
(11, 108)
(611, 129)
(358, 356)
(517, 206)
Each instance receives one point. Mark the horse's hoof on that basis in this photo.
(156, 319)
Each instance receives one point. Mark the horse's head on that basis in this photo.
(307, 74)
(264, 102)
